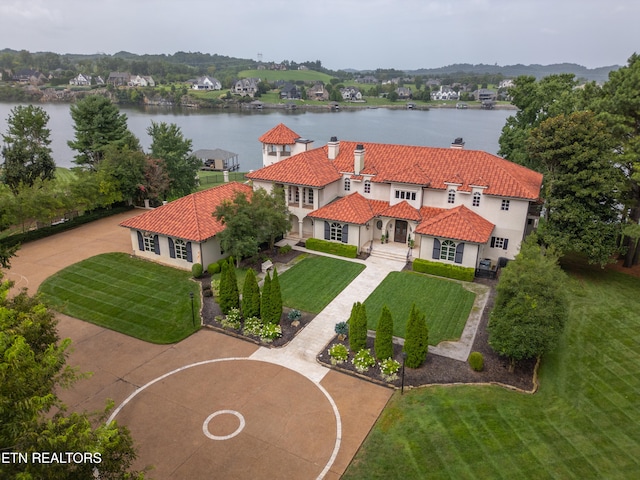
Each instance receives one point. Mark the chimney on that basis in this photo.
(458, 143)
(334, 148)
(358, 159)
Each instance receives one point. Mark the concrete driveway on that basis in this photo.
(202, 408)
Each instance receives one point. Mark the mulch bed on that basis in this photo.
(438, 370)
(435, 370)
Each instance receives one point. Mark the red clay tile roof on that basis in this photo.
(280, 135)
(439, 165)
(353, 208)
(312, 169)
(403, 164)
(458, 223)
(190, 217)
(402, 210)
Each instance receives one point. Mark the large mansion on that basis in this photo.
(453, 205)
(449, 205)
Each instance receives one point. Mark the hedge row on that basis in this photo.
(444, 270)
(43, 232)
(340, 249)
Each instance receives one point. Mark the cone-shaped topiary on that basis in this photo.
(383, 344)
(265, 299)
(276, 300)
(416, 342)
(250, 295)
(223, 294)
(234, 294)
(358, 327)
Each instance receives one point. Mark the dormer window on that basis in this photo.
(451, 198)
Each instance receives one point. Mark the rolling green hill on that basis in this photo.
(287, 75)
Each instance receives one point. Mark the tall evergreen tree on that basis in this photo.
(416, 343)
(26, 152)
(224, 295)
(383, 344)
(234, 294)
(250, 295)
(358, 327)
(276, 300)
(98, 123)
(265, 299)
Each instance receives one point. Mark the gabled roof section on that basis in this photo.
(311, 168)
(458, 223)
(403, 211)
(190, 217)
(280, 135)
(353, 208)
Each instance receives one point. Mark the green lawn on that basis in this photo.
(129, 295)
(582, 423)
(311, 284)
(446, 304)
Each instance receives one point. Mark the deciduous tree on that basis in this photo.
(32, 418)
(531, 305)
(169, 144)
(583, 186)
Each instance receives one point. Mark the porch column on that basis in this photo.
(300, 227)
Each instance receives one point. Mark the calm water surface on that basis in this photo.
(239, 131)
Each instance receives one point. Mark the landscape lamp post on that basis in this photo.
(404, 357)
(193, 315)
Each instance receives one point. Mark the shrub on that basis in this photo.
(340, 249)
(252, 326)
(416, 343)
(358, 327)
(444, 270)
(213, 268)
(389, 369)
(476, 361)
(265, 299)
(270, 332)
(275, 307)
(215, 287)
(196, 270)
(383, 344)
(363, 360)
(232, 319)
(294, 315)
(285, 249)
(206, 291)
(342, 328)
(338, 354)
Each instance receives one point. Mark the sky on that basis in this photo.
(342, 34)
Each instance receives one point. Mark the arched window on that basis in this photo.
(476, 199)
(367, 186)
(448, 250)
(347, 185)
(336, 232)
(452, 196)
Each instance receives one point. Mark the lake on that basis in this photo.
(238, 131)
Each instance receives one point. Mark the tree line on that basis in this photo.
(586, 142)
(111, 166)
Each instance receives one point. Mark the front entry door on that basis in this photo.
(400, 232)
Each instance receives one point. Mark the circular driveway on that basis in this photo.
(246, 418)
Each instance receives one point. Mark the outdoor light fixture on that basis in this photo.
(404, 357)
(193, 315)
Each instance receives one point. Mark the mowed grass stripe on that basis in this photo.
(445, 303)
(311, 284)
(582, 423)
(129, 295)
